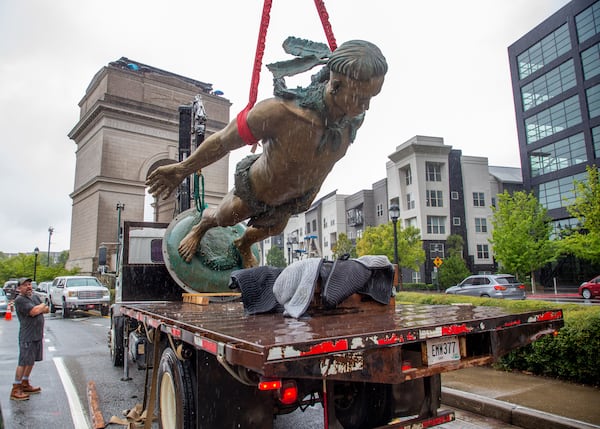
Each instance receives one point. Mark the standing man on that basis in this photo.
(30, 311)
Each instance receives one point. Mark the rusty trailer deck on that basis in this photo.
(378, 344)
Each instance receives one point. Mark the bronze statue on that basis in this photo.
(304, 132)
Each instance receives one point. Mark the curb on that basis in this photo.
(517, 415)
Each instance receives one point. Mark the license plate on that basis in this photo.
(445, 349)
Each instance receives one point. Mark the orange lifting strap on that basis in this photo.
(242, 124)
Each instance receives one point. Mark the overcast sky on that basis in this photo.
(448, 77)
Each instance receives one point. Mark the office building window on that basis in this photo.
(456, 221)
(593, 99)
(480, 224)
(324, 222)
(408, 176)
(590, 59)
(379, 209)
(558, 193)
(436, 225)
(553, 120)
(556, 156)
(314, 225)
(478, 199)
(434, 198)
(483, 251)
(543, 52)
(588, 22)
(308, 227)
(412, 221)
(433, 172)
(549, 85)
(596, 140)
(454, 195)
(416, 277)
(410, 203)
(436, 250)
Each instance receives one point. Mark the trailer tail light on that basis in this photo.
(521, 286)
(287, 391)
(266, 384)
(288, 394)
(498, 287)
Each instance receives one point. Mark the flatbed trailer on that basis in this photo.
(356, 353)
(368, 365)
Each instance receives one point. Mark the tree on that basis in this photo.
(521, 236)
(275, 257)
(585, 242)
(22, 266)
(343, 246)
(379, 240)
(454, 269)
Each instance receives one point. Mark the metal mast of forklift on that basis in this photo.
(192, 129)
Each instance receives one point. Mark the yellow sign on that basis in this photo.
(438, 261)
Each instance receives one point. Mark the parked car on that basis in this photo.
(490, 286)
(41, 290)
(71, 293)
(590, 289)
(10, 289)
(3, 303)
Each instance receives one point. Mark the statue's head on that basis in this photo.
(358, 60)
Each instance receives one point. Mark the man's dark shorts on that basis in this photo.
(30, 352)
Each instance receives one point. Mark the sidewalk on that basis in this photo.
(523, 400)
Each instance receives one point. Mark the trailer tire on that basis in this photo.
(117, 348)
(362, 405)
(176, 406)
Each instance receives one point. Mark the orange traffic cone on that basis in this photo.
(8, 314)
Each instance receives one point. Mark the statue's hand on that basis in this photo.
(164, 180)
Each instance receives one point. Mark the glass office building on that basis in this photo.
(555, 70)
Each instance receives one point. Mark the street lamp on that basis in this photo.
(394, 215)
(50, 231)
(36, 252)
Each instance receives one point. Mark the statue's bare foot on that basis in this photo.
(188, 246)
(248, 259)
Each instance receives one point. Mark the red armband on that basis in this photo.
(244, 129)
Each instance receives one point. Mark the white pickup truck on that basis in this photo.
(71, 293)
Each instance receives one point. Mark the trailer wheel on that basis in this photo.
(362, 405)
(117, 349)
(176, 407)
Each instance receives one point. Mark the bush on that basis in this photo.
(570, 355)
(417, 286)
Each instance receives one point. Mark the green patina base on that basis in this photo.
(217, 257)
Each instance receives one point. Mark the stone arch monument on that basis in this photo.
(128, 126)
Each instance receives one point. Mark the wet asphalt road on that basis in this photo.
(76, 353)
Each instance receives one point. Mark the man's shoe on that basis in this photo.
(17, 394)
(28, 388)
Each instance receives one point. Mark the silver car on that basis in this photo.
(3, 303)
(490, 286)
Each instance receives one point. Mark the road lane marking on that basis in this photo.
(79, 420)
